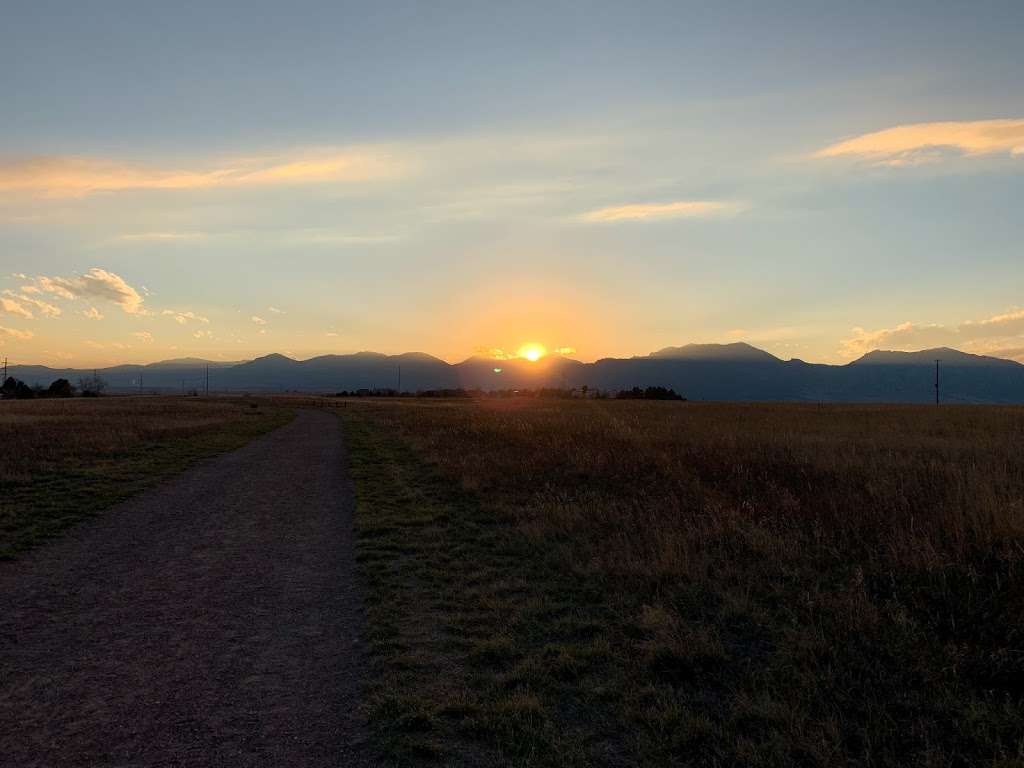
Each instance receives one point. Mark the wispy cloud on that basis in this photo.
(918, 143)
(14, 333)
(50, 285)
(327, 237)
(258, 320)
(15, 307)
(160, 237)
(144, 336)
(679, 209)
(74, 175)
(44, 308)
(92, 313)
(182, 318)
(987, 336)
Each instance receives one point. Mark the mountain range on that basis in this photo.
(698, 371)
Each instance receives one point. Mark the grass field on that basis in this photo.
(623, 583)
(66, 460)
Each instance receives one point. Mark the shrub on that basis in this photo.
(60, 388)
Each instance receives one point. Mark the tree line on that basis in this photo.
(88, 386)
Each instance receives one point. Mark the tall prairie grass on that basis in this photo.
(44, 435)
(792, 584)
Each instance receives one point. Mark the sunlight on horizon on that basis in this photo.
(439, 184)
(532, 351)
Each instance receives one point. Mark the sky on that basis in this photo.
(226, 180)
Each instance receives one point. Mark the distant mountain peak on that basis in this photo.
(946, 356)
(192, 362)
(421, 357)
(738, 351)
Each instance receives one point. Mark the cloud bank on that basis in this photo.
(995, 335)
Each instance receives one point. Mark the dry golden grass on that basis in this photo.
(770, 584)
(67, 459)
(44, 435)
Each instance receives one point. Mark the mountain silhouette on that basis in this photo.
(736, 352)
(699, 371)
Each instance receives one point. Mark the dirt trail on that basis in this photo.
(213, 620)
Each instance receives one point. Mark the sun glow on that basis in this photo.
(532, 351)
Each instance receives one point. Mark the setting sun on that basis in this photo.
(532, 351)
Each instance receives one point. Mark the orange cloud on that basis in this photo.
(923, 142)
(983, 336)
(494, 353)
(95, 284)
(182, 318)
(14, 307)
(14, 333)
(679, 209)
(74, 176)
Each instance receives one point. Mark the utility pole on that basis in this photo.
(5, 368)
(140, 383)
(937, 381)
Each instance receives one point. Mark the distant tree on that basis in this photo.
(651, 393)
(13, 389)
(92, 386)
(661, 393)
(60, 388)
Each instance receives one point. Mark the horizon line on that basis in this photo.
(510, 359)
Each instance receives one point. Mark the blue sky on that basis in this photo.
(225, 179)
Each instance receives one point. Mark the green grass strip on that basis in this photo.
(45, 505)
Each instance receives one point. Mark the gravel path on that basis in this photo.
(213, 620)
